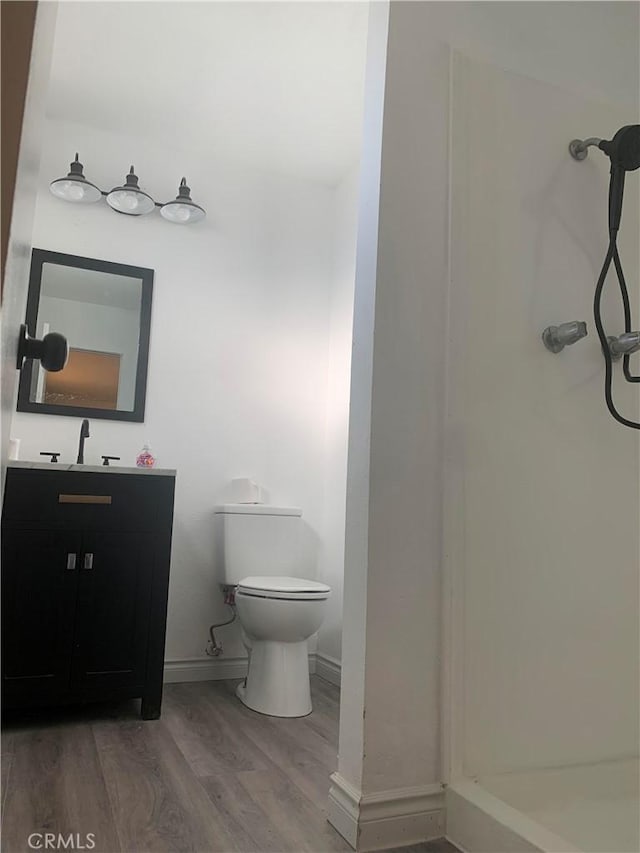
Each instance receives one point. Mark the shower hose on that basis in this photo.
(612, 255)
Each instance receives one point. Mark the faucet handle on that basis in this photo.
(625, 344)
(556, 338)
(105, 460)
(54, 456)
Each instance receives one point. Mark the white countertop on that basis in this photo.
(93, 469)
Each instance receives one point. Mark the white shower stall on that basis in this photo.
(542, 486)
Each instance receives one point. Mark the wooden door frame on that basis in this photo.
(17, 25)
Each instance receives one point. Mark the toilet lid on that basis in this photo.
(283, 587)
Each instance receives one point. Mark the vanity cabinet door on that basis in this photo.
(115, 584)
(39, 587)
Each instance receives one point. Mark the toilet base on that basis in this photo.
(277, 683)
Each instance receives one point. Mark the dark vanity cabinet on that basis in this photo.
(85, 574)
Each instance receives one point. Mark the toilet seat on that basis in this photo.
(283, 588)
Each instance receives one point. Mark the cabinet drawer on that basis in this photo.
(68, 499)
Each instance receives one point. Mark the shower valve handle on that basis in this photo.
(556, 338)
(625, 344)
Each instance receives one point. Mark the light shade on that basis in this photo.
(130, 199)
(75, 187)
(182, 210)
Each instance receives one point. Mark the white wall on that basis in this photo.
(545, 514)
(16, 274)
(402, 659)
(239, 350)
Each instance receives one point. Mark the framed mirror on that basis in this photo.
(104, 311)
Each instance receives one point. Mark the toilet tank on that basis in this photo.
(257, 540)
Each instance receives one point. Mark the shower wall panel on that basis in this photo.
(543, 502)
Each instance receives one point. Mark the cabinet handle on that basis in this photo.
(71, 562)
(88, 561)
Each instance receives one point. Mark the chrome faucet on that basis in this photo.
(84, 433)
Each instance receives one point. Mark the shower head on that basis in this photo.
(624, 152)
(624, 149)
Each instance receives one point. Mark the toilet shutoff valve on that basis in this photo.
(214, 649)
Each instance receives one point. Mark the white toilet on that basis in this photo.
(257, 546)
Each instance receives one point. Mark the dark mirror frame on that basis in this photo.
(44, 256)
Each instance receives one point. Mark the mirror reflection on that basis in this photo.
(103, 309)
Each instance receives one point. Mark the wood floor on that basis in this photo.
(211, 776)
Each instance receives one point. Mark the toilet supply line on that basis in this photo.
(214, 649)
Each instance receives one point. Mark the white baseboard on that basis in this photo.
(211, 669)
(387, 819)
(343, 808)
(401, 817)
(328, 668)
(196, 669)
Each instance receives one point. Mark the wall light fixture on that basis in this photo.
(129, 198)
